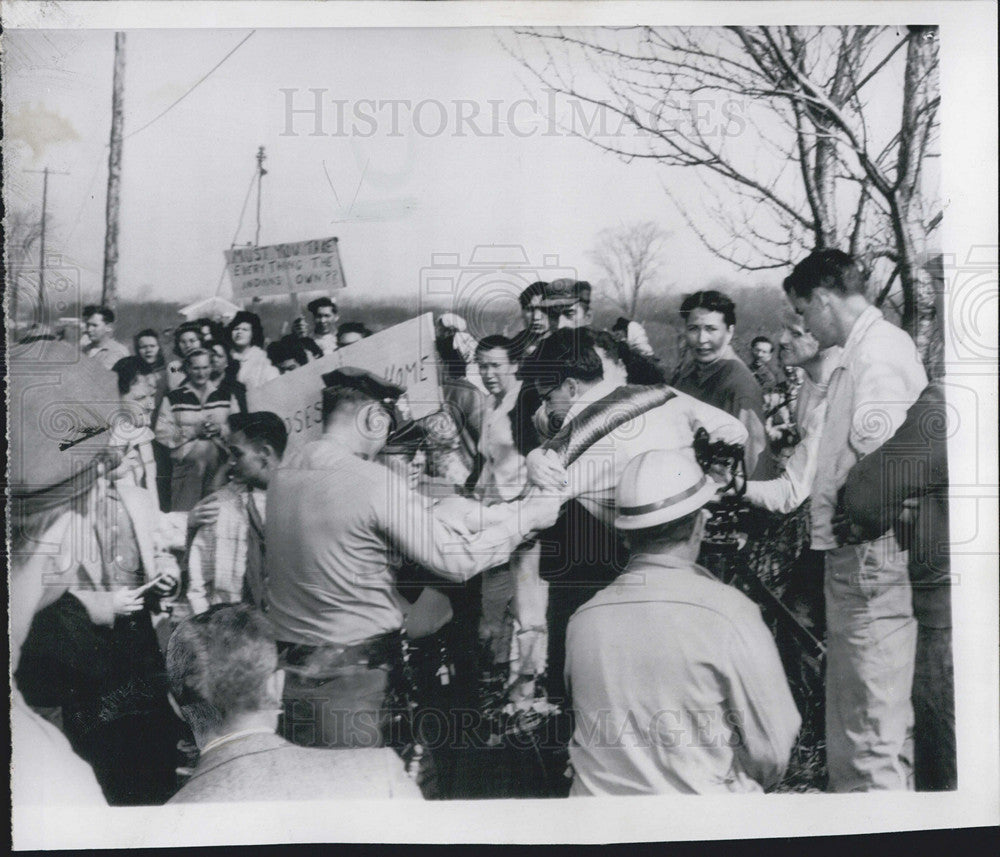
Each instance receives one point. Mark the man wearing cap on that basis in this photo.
(567, 303)
(336, 524)
(676, 682)
(325, 317)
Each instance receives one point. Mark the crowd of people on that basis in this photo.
(202, 611)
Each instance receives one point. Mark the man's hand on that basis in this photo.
(545, 471)
(209, 430)
(205, 512)
(127, 601)
(540, 511)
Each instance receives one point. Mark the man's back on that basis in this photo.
(677, 687)
(267, 767)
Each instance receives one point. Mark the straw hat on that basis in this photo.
(660, 486)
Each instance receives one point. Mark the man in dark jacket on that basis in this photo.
(904, 483)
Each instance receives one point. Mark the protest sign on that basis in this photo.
(282, 269)
(403, 355)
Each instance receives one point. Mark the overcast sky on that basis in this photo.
(391, 182)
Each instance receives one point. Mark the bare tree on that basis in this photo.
(629, 258)
(23, 231)
(802, 137)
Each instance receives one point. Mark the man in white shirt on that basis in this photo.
(871, 632)
(325, 318)
(102, 345)
(676, 682)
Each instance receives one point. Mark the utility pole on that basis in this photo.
(41, 241)
(109, 290)
(261, 172)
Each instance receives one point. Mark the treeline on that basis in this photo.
(759, 311)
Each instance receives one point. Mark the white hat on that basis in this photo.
(453, 321)
(660, 486)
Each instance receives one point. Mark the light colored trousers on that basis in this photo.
(871, 646)
(518, 584)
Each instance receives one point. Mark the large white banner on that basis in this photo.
(281, 269)
(403, 354)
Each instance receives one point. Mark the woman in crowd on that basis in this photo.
(134, 434)
(192, 425)
(187, 337)
(716, 376)
(147, 348)
(246, 343)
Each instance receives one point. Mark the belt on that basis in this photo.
(373, 652)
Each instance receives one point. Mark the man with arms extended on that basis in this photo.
(582, 553)
(676, 681)
(871, 632)
(337, 523)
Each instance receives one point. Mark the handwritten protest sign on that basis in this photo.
(281, 269)
(403, 355)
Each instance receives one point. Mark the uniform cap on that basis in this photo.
(364, 382)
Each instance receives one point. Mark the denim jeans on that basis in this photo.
(871, 646)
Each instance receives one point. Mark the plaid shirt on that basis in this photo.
(218, 556)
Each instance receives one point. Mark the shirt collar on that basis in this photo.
(670, 561)
(860, 327)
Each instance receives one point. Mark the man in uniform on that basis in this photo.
(337, 522)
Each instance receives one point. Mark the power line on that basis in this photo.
(193, 88)
(239, 226)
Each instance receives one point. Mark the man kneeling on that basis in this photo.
(675, 679)
(225, 681)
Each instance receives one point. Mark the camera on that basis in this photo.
(726, 528)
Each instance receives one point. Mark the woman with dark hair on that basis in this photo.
(716, 376)
(246, 342)
(146, 344)
(187, 337)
